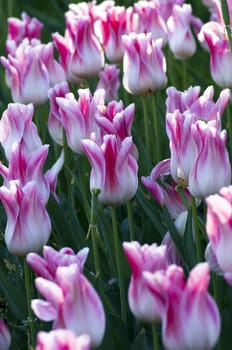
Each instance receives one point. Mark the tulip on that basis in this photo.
(5, 336)
(180, 38)
(71, 303)
(143, 304)
(109, 81)
(19, 29)
(55, 125)
(166, 6)
(212, 157)
(78, 117)
(164, 192)
(32, 64)
(109, 29)
(144, 65)
(60, 339)
(191, 319)
(28, 224)
(218, 226)
(114, 169)
(15, 130)
(47, 265)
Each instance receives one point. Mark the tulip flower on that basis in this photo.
(72, 303)
(109, 29)
(165, 193)
(109, 81)
(78, 116)
(144, 64)
(218, 228)
(60, 339)
(145, 17)
(32, 64)
(180, 37)
(55, 125)
(47, 265)
(5, 336)
(191, 319)
(15, 130)
(28, 224)
(143, 304)
(166, 6)
(114, 169)
(212, 158)
(19, 29)
(81, 55)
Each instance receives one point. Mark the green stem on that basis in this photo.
(94, 231)
(119, 265)
(27, 278)
(184, 71)
(82, 186)
(196, 230)
(155, 337)
(156, 131)
(146, 125)
(130, 221)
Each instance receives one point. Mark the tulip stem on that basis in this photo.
(93, 229)
(119, 265)
(155, 337)
(146, 125)
(196, 229)
(130, 221)
(156, 130)
(27, 277)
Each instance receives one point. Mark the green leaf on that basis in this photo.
(140, 342)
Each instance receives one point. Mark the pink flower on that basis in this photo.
(78, 116)
(180, 37)
(212, 157)
(144, 65)
(109, 29)
(60, 339)
(28, 224)
(166, 6)
(72, 303)
(15, 130)
(55, 125)
(81, 55)
(114, 169)
(19, 29)
(5, 336)
(145, 17)
(47, 265)
(218, 228)
(32, 64)
(163, 191)
(143, 304)
(191, 320)
(109, 81)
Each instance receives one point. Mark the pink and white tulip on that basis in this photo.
(145, 305)
(72, 303)
(180, 37)
(28, 224)
(19, 29)
(60, 339)
(144, 64)
(114, 169)
(191, 319)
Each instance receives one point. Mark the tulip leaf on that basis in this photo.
(140, 342)
(189, 244)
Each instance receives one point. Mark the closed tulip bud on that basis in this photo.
(62, 339)
(180, 37)
(143, 304)
(109, 81)
(114, 169)
(5, 336)
(28, 224)
(212, 157)
(144, 64)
